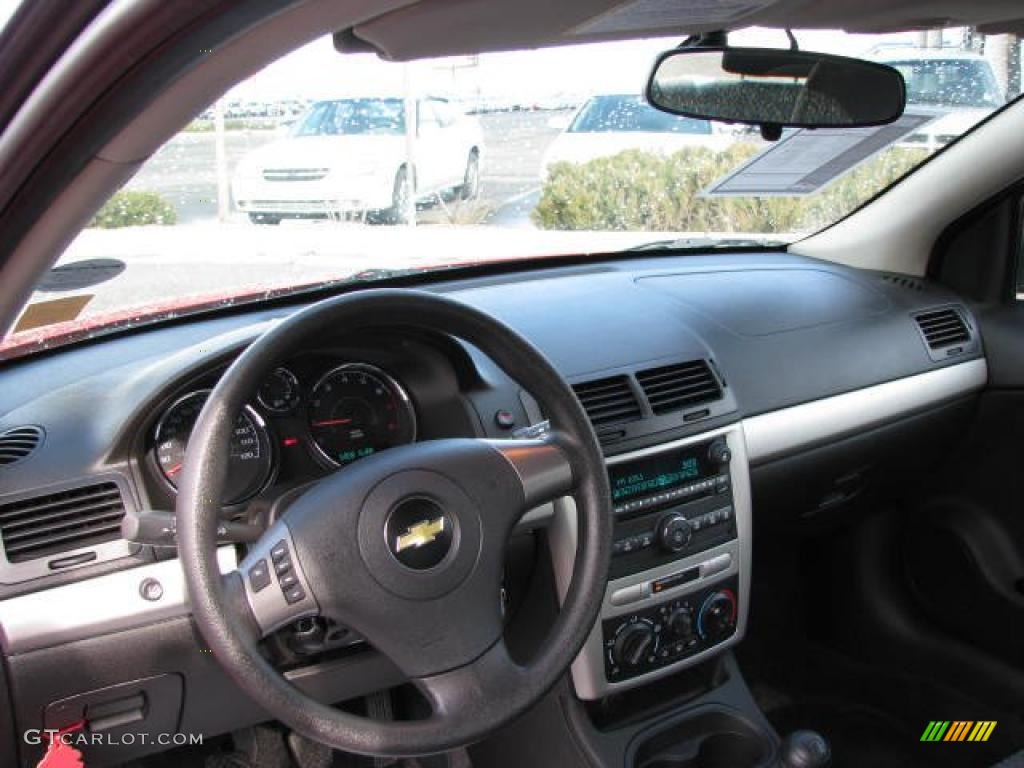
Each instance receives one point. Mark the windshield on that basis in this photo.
(612, 114)
(309, 174)
(357, 117)
(950, 82)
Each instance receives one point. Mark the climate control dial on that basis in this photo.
(716, 619)
(635, 642)
(679, 624)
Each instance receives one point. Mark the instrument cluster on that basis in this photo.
(338, 410)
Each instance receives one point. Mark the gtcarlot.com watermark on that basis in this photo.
(46, 736)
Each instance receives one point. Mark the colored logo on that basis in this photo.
(420, 534)
(958, 730)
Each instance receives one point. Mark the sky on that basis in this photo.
(319, 71)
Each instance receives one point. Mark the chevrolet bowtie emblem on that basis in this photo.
(420, 534)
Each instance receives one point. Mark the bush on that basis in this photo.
(637, 190)
(132, 208)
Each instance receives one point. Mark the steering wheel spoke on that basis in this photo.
(274, 583)
(473, 687)
(542, 468)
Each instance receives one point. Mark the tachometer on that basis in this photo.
(356, 410)
(249, 464)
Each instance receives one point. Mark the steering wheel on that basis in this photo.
(405, 546)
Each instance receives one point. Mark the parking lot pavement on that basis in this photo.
(184, 170)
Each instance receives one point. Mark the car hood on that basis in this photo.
(582, 147)
(321, 152)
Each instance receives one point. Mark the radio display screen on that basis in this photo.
(654, 474)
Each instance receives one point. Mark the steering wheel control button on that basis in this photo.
(295, 595)
(419, 533)
(279, 551)
(287, 581)
(259, 576)
(291, 597)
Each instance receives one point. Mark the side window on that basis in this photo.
(428, 123)
(443, 110)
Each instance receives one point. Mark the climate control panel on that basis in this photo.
(673, 630)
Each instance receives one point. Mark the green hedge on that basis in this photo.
(637, 190)
(132, 208)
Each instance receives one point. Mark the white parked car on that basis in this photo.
(612, 123)
(958, 87)
(350, 156)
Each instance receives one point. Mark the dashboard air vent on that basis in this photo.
(608, 401)
(57, 522)
(674, 387)
(904, 281)
(942, 328)
(18, 443)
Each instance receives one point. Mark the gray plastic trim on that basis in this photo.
(269, 608)
(788, 430)
(98, 606)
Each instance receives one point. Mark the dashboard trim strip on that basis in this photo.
(774, 434)
(97, 606)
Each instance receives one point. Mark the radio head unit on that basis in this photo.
(681, 474)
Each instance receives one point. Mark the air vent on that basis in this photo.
(61, 521)
(18, 443)
(903, 281)
(608, 401)
(943, 328)
(674, 387)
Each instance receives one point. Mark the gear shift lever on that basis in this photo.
(805, 749)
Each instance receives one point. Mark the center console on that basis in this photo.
(678, 583)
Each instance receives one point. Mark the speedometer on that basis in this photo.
(249, 462)
(356, 410)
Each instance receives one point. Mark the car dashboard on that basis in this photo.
(723, 389)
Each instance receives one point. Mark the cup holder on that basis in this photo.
(715, 739)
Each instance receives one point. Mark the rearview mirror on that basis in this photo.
(776, 87)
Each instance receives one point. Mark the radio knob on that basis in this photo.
(717, 617)
(633, 644)
(679, 624)
(719, 453)
(674, 532)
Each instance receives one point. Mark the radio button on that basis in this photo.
(715, 565)
(628, 595)
(674, 532)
